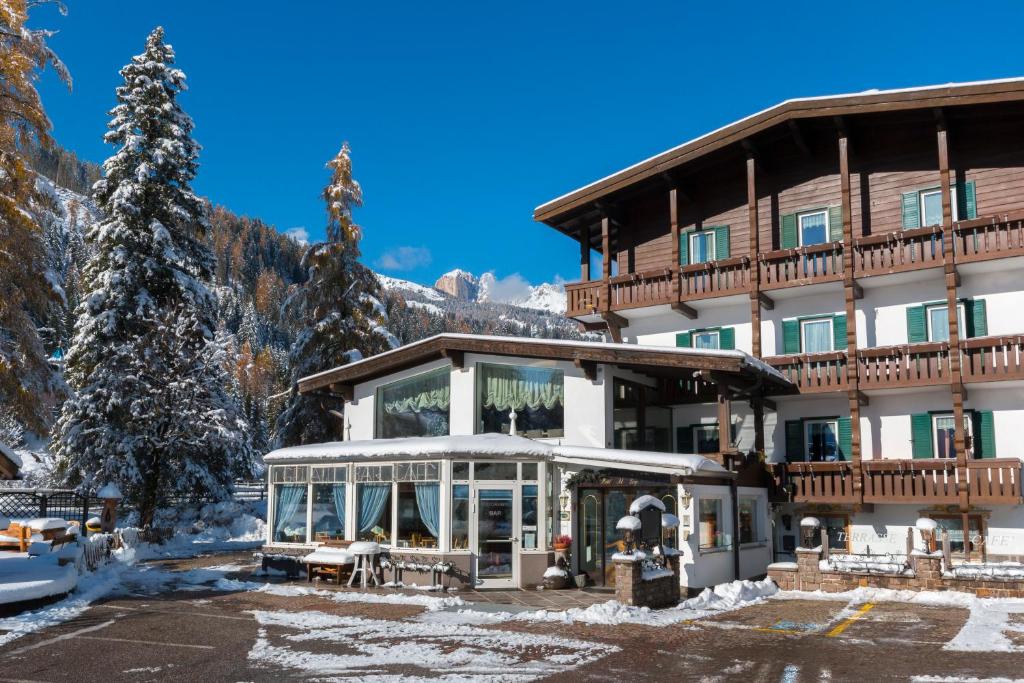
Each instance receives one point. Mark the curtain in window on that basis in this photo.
(817, 337)
(289, 498)
(812, 228)
(431, 392)
(338, 493)
(939, 322)
(428, 501)
(705, 341)
(372, 499)
(702, 248)
(506, 387)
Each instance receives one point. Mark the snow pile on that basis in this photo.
(552, 572)
(228, 525)
(25, 577)
(729, 596)
(996, 570)
(866, 564)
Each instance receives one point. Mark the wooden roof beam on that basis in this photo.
(588, 367)
(684, 310)
(798, 138)
(458, 358)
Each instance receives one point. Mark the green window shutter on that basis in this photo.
(839, 332)
(977, 318)
(727, 338)
(684, 439)
(790, 336)
(721, 241)
(787, 237)
(683, 339)
(684, 248)
(794, 440)
(911, 210)
(917, 329)
(835, 223)
(966, 204)
(921, 436)
(984, 433)
(845, 438)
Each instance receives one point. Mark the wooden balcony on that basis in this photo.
(910, 365)
(819, 482)
(989, 238)
(814, 373)
(932, 482)
(636, 290)
(584, 298)
(992, 359)
(715, 278)
(806, 265)
(898, 252)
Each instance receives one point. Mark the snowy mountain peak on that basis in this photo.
(459, 284)
(513, 290)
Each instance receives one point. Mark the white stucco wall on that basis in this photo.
(661, 329)
(793, 305)
(1003, 292)
(882, 313)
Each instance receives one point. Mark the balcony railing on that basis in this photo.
(814, 372)
(793, 267)
(912, 365)
(991, 359)
(882, 254)
(715, 278)
(935, 482)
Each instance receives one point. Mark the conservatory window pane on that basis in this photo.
(418, 406)
(489, 471)
(460, 517)
(460, 470)
(328, 512)
(529, 471)
(537, 395)
(373, 510)
(290, 513)
(418, 514)
(529, 520)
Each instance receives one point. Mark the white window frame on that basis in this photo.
(968, 429)
(831, 333)
(703, 234)
(800, 226)
(707, 427)
(936, 190)
(807, 435)
(723, 535)
(714, 333)
(961, 315)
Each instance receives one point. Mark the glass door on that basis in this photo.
(497, 536)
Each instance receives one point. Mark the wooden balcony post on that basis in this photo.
(584, 253)
(956, 379)
(758, 406)
(673, 221)
(850, 290)
(755, 262)
(606, 262)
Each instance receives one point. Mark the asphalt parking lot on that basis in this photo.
(231, 635)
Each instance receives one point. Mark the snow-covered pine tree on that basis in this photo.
(28, 386)
(151, 411)
(342, 299)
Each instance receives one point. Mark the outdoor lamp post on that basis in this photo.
(111, 496)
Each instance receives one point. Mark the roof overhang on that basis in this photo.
(657, 360)
(556, 211)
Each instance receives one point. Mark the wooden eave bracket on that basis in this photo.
(588, 367)
(858, 291)
(614, 319)
(684, 309)
(343, 390)
(863, 399)
(765, 301)
(458, 358)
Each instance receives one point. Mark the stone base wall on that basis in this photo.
(926, 576)
(631, 589)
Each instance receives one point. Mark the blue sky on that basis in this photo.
(464, 116)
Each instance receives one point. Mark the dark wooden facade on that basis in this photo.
(858, 153)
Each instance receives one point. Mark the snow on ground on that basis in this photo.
(215, 527)
(459, 652)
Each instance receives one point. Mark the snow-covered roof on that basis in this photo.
(391, 360)
(594, 187)
(495, 446)
(9, 453)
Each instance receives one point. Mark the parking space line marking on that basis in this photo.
(845, 624)
(167, 611)
(63, 636)
(146, 642)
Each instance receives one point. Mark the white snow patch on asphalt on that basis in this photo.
(376, 647)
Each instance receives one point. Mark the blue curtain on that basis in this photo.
(339, 502)
(428, 500)
(372, 498)
(289, 498)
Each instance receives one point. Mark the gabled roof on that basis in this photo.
(951, 94)
(652, 358)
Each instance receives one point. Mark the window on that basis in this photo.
(373, 508)
(835, 526)
(712, 532)
(813, 228)
(706, 340)
(417, 471)
(417, 406)
(292, 474)
(702, 246)
(373, 473)
(938, 321)
(460, 517)
(670, 536)
(817, 335)
(931, 206)
(536, 395)
(290, 512)
(418, 514)
(638, 423)
(529, 471)
(748, 520)
(529, 517)
(705, 439)
(328, 503)
(821, 440)
(954, 525)
(490, 471)
(460, 470)
(944, 428)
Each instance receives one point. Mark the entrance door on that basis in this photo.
(497, 537)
